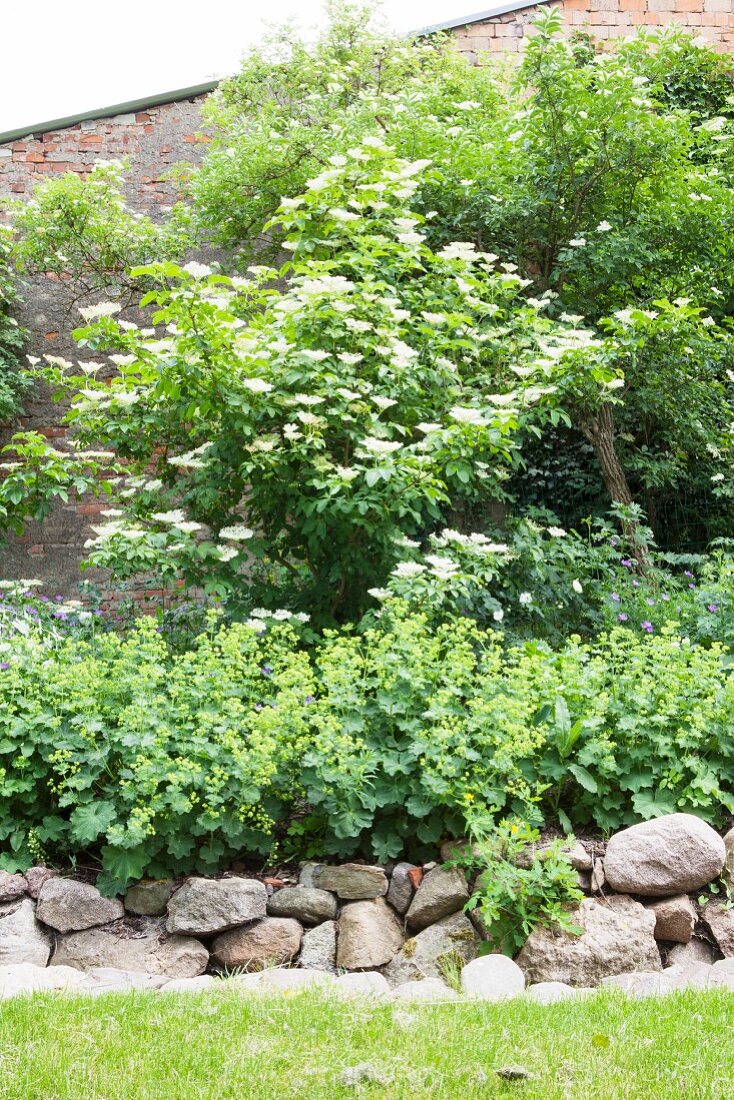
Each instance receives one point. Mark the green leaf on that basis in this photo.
(653, 804)
(90, 820)
(584, 777)
(122, 866)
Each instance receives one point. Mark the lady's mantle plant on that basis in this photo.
(300, 432)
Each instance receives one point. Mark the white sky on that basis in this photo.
(61, 57)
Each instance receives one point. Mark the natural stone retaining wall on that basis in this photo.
(370, 929)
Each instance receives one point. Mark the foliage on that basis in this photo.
(81, 228)
(378, 742)
(311, 428)
(12, 382)
(519, 887)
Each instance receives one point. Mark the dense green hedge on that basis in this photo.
(378, 742)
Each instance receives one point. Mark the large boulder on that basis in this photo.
(352, 881)
(675, 918)
(271, 941)
(22, 938)
(442, 891)
(150, 951)
(492, 978)
(318, 947)
(450, 943)
(369, 935)
(70, 906)
(668, 855)
(203, 906)
(306, 904)
(618, 935)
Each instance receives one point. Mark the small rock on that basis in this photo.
(400, 891)
(35, 878)
(11, 887)
(415, 874)
(22, 938)
(617, 937)
(451, 942)
(22, 978)
(353, 881)
(574, 852)
(598, 878)
(369, 983)
(203, 906)
(201, 984)
(369, 935)
(492, 978)
(728, 871)
(442, 892)
(549, 993)
(109, 979)
(675, 918)
(149, 898)
(364, 1072)
(696, 951)
(638, 983)
(271, 941)
(70, 906)
(720, 921)
(318, 947)
(668, 855)
(151, 951)
(430, 989)
(513, 1073)
(284, 980)
(722, 973)
(309, 873)
(691, 976)
(306, 904)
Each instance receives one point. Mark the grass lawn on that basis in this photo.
(216, 1046)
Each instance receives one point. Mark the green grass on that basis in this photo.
(213, 1047)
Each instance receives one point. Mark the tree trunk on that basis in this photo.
(599, 431)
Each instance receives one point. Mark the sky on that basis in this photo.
(61, 58)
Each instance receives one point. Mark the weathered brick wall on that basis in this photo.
(152, 140)
(605, 19)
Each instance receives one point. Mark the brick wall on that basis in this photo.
(153, 140)
(605, 19)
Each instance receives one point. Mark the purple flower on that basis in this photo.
(622, 617)
(691, 586)
(649, 602)
(44, 599)
(309, 699)
(615, 597)
(4, 665)
(712, 607)
(647, 626)
(61, 615)
(626, 562)
(259, 706)
(635, 584)
(665, 596)
(266, 670)
(614, 541)
(59, 599)
(687, 573)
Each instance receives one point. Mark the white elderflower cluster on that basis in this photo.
(102, 309)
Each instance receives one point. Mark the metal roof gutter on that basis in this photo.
(108, 112)
(480, 16)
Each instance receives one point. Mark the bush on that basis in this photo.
(376, 742)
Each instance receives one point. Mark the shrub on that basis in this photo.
(376, 742)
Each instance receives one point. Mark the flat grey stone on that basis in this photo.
(69, 906)
(203, 907)
(695, 951)
(151, 951)
(369, 983)
(23, 978)
(442, 891)
(549, 993)
(203, 984)
(22, 938)
(353, 881)
(318, 947)
(286, 980)
(306, 904)
(109, 979)
(430, 989)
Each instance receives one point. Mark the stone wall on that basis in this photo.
(152, 140)
(401, 929)
(604, 19)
